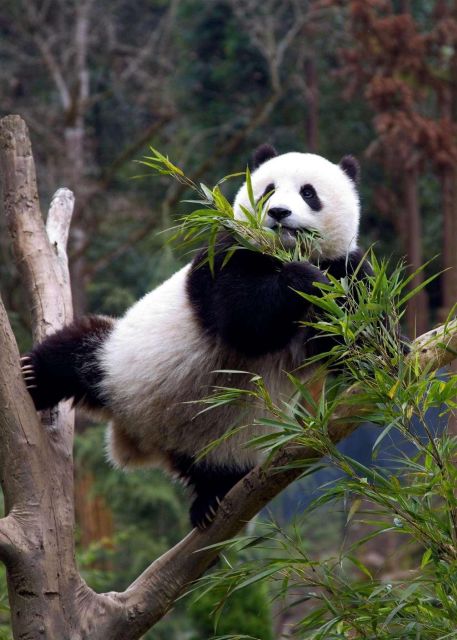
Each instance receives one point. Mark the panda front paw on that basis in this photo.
(203, 511)
(302, 276)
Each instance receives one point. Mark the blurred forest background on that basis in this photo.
(205, 82)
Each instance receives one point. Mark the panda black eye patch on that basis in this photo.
(309, 195)
(268, 190)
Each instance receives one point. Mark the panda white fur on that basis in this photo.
(145, 371)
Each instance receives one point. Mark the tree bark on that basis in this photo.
(49, 599)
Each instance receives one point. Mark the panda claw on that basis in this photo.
(25, 358)
(31, 386)
(28, 367)
(204, 511)
(29, 379)
(205, 522)
(219, 501)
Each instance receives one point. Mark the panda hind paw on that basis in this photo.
(203, 511)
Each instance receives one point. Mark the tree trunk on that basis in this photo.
(417, 315)
(449, 277)
(312, 94)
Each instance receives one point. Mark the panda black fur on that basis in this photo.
(145, 371)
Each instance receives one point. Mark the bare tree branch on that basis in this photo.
(30, 243)
(58, 229)
(54, 69)
(58, 220)
(272, 27)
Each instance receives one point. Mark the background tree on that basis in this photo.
(407, 81)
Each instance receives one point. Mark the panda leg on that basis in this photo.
(65, 365)
(210, 484)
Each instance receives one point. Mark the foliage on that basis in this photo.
(224, 63)
(416, 500)
(247, 614)
(399, 83)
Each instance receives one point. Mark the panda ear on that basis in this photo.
(262, 154)
(351, 168)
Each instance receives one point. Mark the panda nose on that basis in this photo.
(278, 213)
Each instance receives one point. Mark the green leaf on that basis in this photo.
(426, 557)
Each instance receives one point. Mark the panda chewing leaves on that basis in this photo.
(144, 371)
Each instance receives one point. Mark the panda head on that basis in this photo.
(307, 193)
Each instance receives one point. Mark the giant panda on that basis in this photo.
(145, 371)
